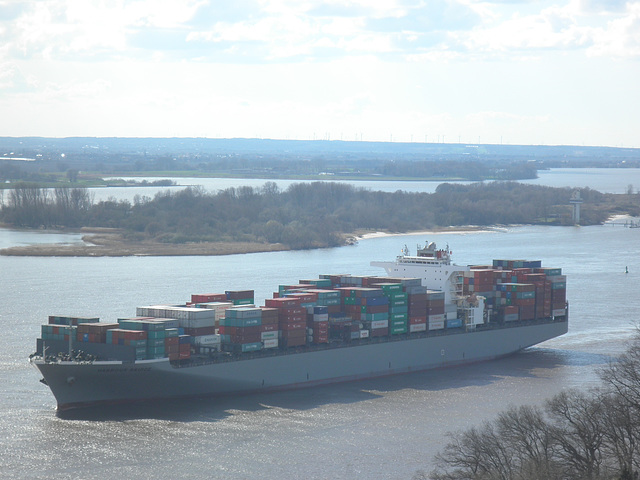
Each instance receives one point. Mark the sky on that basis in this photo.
(547, 72)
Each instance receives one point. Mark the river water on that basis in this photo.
(379, 429)
(605, 180)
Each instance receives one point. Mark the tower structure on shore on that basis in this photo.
(576, 201)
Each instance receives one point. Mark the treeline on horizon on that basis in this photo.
(82, 167)
(305, 215)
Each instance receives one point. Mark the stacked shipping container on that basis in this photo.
(314, 311)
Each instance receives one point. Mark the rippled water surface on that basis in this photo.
(377, 429)
(385, 428)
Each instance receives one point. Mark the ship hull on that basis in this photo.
(76, 384)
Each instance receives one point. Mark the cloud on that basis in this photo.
(577, 25)
(620, 37)
(264, 31)
(602, 6)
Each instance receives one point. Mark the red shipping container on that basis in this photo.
(305, 297)
(208, 297)
(527, 313)
(246, 338)
(249, 330)
(285, 302)
(293, 326)
(196, 332)
(285, 311)
(295, 342)
(270, 327)
(239, 294)
(435, 303)
(412, 312)
(417, 319)
(417, 297)
(292, 319)
(270, 320)
(334, 309)
(374, 309)
(379, 332)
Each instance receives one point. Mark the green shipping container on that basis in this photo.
(526, 295)
(397, 296)
(251, 347)
(398, 309)
(171, 332)
(397, 323)
(372, 317)
(243, 301)
(329, 301)
(391, 288)
(398, 330)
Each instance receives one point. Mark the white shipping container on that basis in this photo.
(205, 340)
(269, 335)
(417, 327)
(439, 325)
(364, 333)
(321, 317)
(152, 311)
(380, 324)
(193, 313)
(197, 322)
(216, 306)
(557, 278)
(271, 343)
(559, 312)
(167, 322)
(437, 318)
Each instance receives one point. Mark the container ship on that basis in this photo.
(426, 313)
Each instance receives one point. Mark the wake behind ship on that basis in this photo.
(427, 313)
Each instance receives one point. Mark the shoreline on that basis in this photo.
(104, 242)
(434, 231)
(109, 244)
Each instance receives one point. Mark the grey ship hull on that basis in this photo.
(76, 385)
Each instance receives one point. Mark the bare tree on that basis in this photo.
(578, 432)
(621, 428)
(622, 376)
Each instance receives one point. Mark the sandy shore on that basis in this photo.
(113, 245)
(438, 231)
(110, 243)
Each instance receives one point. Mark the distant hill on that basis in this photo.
(26, 146)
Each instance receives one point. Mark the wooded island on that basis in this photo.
(303, 216)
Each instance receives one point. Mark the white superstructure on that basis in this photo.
(436, 271)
